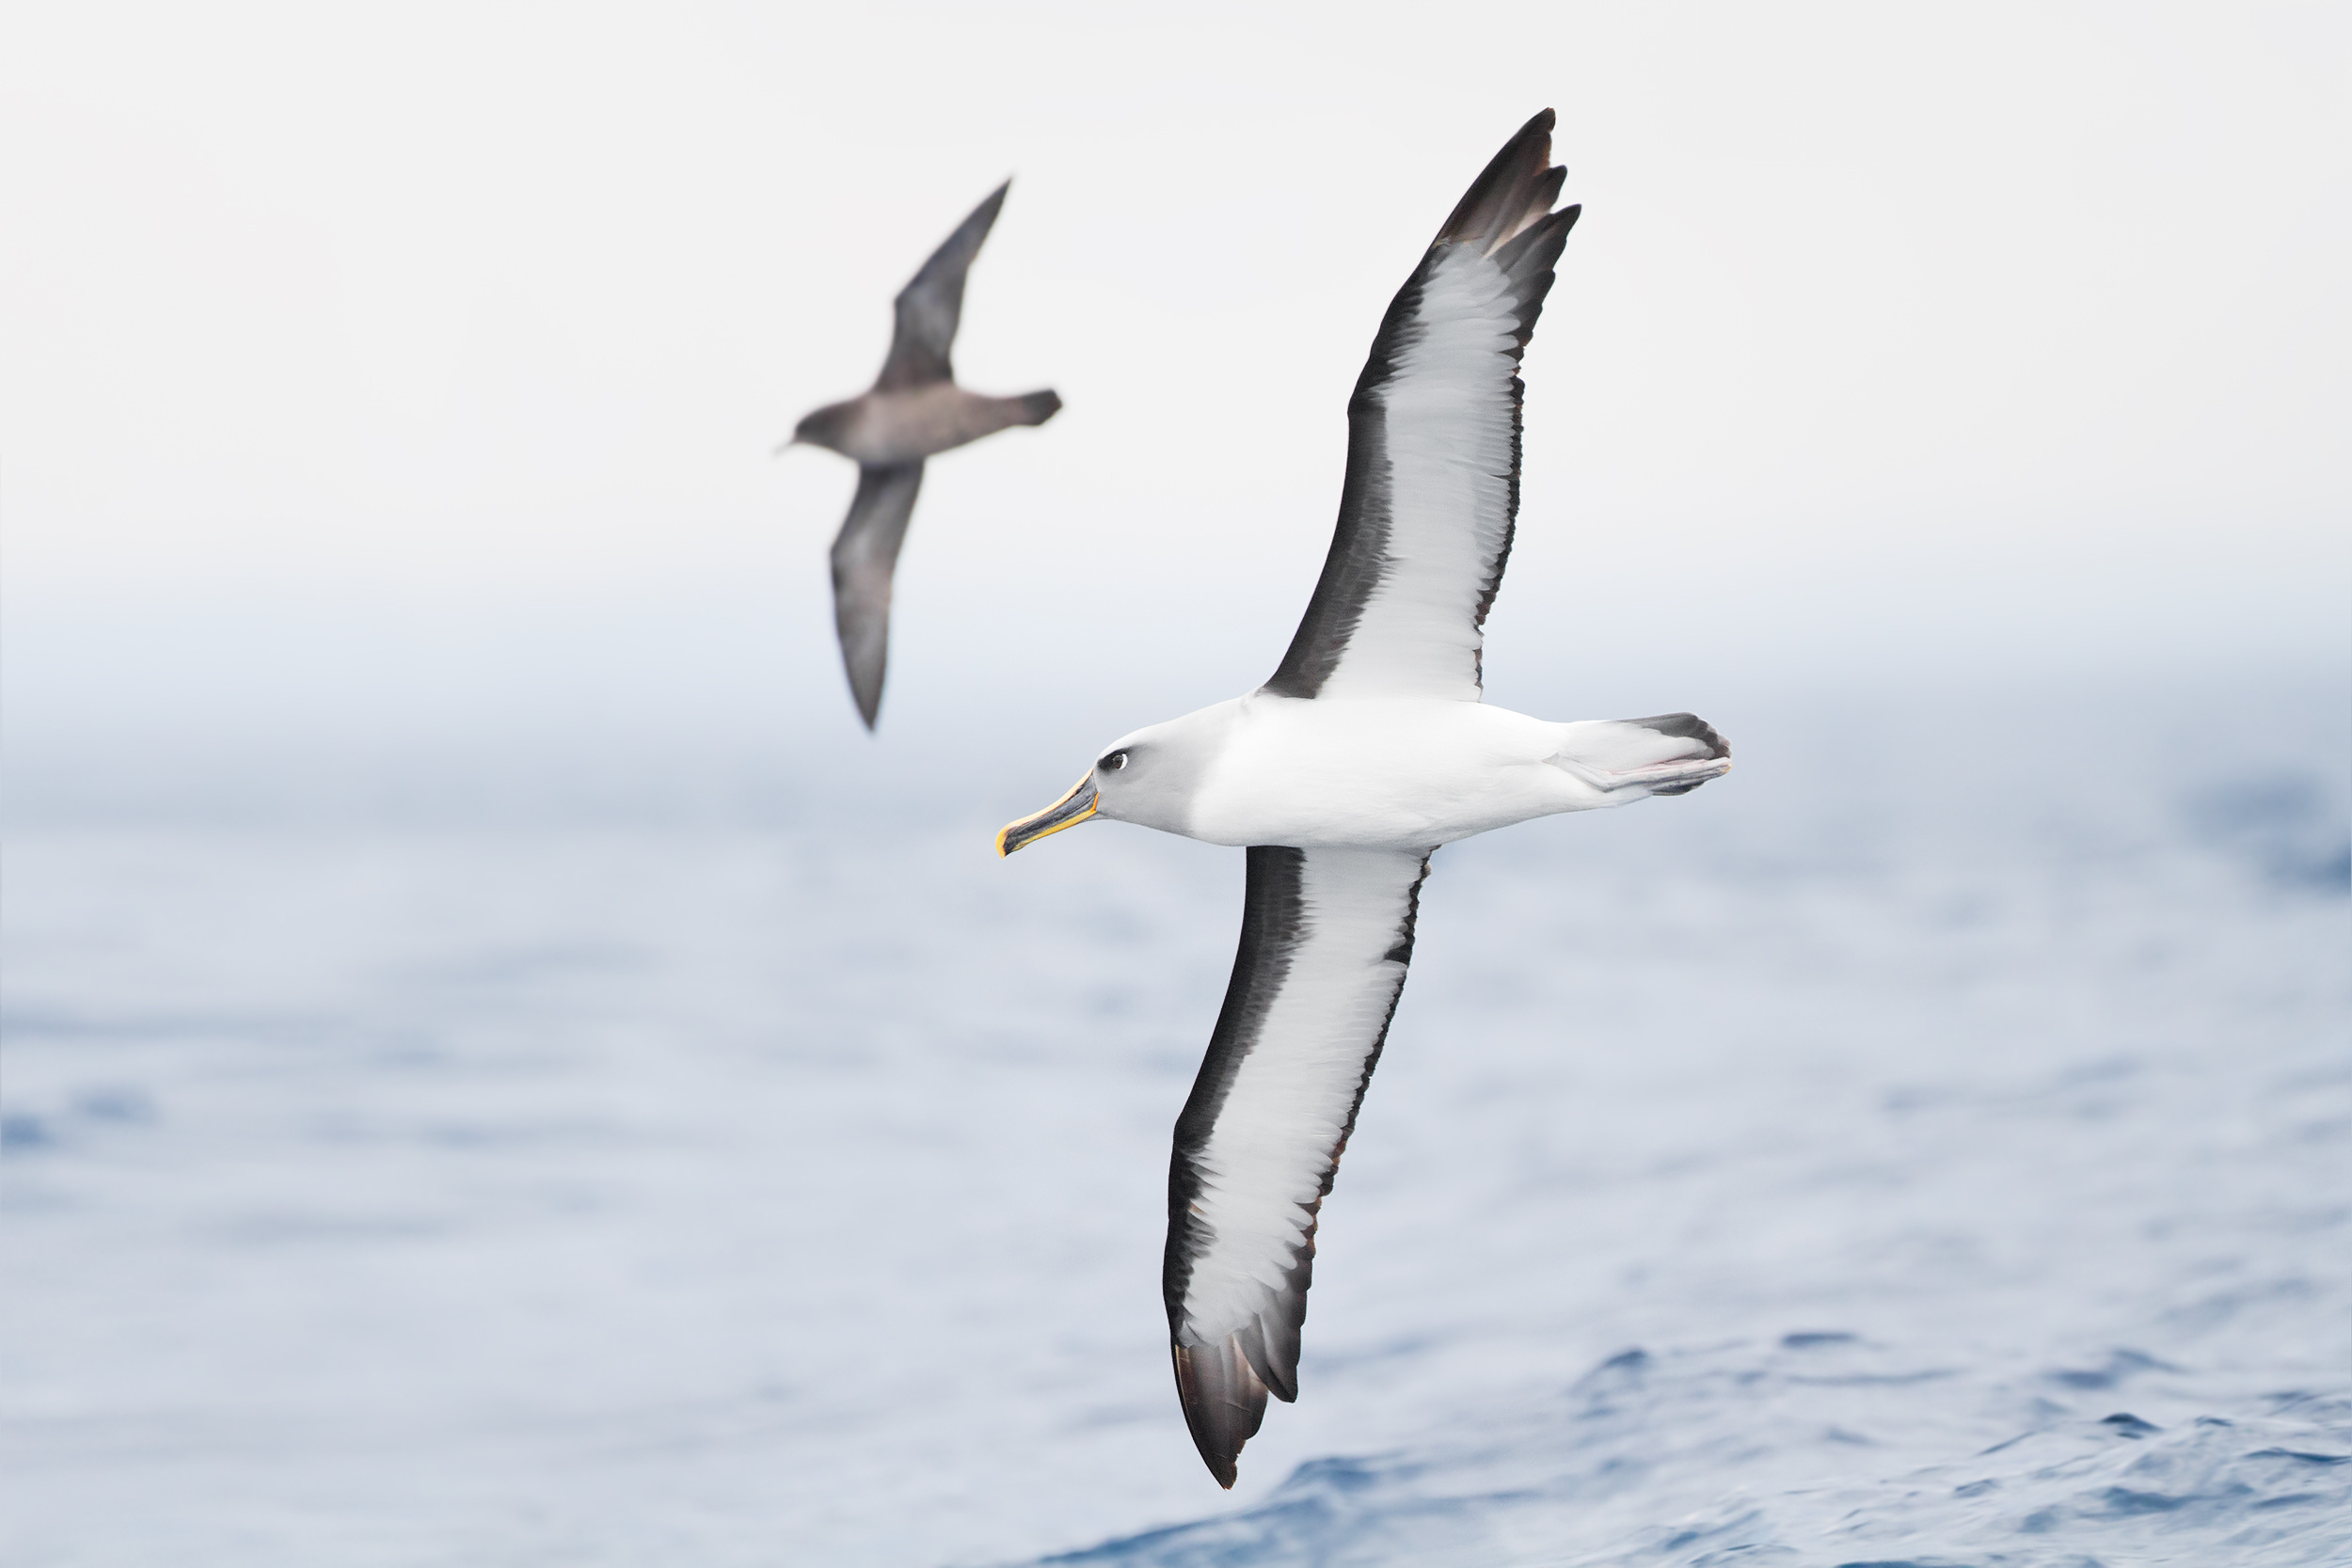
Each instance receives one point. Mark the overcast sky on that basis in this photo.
(1957, 337)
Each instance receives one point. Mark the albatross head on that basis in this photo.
(1148, 778)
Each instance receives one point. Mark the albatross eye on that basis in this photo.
(1113, 763)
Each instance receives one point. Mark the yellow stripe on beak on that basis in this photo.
(1067, 812)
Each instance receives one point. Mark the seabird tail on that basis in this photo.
(1668, 753)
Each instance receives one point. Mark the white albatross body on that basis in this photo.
(1391, 773)
(1367, 751)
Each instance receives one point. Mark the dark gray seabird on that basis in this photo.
(1368, 749)
(915, 410)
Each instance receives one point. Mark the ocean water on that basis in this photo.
(1932, 1144)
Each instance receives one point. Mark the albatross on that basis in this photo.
(1368, 749)
(915, 411)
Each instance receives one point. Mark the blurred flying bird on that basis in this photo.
(1367, 751)
(915, 410)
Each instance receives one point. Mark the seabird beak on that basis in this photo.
(1067, 812)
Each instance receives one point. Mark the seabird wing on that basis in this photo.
(864, 554)
(1325, 935)
(932, 304)
(1433, 450)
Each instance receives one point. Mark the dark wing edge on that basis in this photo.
(931, 307)
(1506, 216)
(864, 557)
(1223, 1383)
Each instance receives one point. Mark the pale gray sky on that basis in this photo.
(1963, 335)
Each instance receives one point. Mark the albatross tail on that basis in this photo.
(1668, 753)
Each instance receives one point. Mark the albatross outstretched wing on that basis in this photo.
(864, 554)
(1325, 935)
(932, 304)
(1433, 450)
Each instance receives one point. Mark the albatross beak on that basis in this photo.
(1067, 812)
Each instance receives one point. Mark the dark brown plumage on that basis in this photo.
(915, 411)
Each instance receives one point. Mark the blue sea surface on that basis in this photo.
(1929, 1145)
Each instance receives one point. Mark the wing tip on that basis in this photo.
(865, 682)
(1513, 191)
(1224, 1401)
(1506, 216)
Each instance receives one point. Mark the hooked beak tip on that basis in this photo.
(1067, 812)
